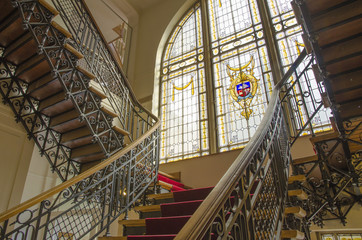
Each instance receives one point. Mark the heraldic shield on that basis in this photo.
(243, 86)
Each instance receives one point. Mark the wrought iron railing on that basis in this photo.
(90, 201)
(65, 67)
(248, 201)
(88, 39)
(301, 97)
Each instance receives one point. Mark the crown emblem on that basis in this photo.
(243, 86)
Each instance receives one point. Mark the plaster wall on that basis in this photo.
(354, 224)
(154, 25)
(39, 177)
(206, 171)
(15, 156)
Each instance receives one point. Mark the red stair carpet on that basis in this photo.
(176, 186)
(174, 215)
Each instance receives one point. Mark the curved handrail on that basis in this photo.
(238, 181)
(99, 195)
(73, 181)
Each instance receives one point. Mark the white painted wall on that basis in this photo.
(15, 155)
(23, 172)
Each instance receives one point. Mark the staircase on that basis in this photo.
(169, 212)
(74, 102)
(60, 104)
(333, 32)
(82, 116)
(166, 217)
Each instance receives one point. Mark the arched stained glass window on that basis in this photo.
(184, 129)
(241, 70)
(216, 83)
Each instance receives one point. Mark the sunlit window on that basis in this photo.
(184, 129)
(228, 69)
(342, 236)
(241, 70)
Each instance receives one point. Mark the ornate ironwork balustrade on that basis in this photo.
(248, 202)
(69, 70)
(89, 202)
(85, 205)
(88, 39)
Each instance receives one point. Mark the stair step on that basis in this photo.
(263, 214)
(318, 6)
(7, 9)
(304, 160)
(21, 49)
(71, 49)
(168, 186)
(263, 234)
(11, 28)
(45, 4)
(53, 100)
(353, 94)
(108, 110)
(294, 234)
(112, 238)
(152, 237)
(166, 179)
(86, 72)
(165, 225)
(96, 89)
(120, 130)
(179, 208)
(342, 50)
(87, 150)
(148, 208)
(77, 137)
(299, 193)
(192, 194)
(351, 110)
(65, 117)
(324, 137)
(29, 63)
(133, 226)
(297, 211)
(64, 31)
(340, 32)
(162, 197)
(350, 80)
(297, 178)
(133, 222)
(173, 176)
(337, 15)
(344, 65)
(44, 87)
(33, 68)
(75, 134)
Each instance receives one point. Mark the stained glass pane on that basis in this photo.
(242, 77)
(328, 237)
(342, 236)
(184, 131)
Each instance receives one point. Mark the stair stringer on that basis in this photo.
(75, 82)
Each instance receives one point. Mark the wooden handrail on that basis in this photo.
(51, 192)
(195, 228)
(204, 216)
